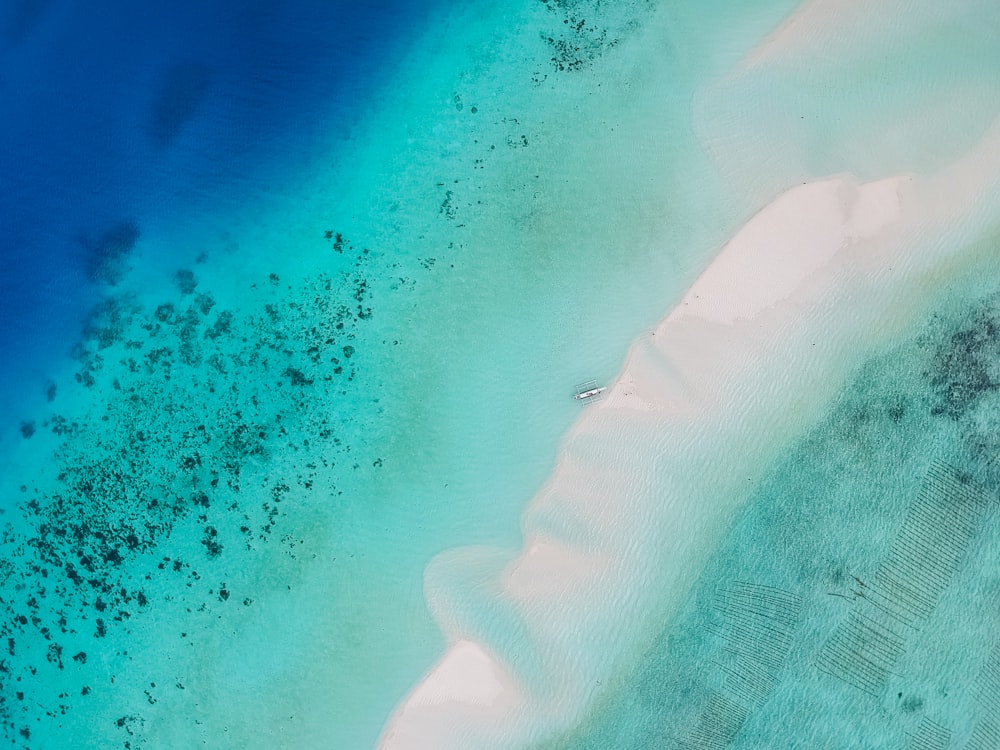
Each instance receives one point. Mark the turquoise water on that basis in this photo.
(765, 651)
(219, 528)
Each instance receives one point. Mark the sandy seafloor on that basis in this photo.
(264, 469)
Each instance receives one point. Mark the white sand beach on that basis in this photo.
(751, 353)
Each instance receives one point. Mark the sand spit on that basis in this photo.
(648, 479)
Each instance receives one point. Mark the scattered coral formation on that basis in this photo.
(189, 404)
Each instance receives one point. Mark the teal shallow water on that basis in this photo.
(788, 639)
(229, 513)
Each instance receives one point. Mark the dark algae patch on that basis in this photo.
(966, 365)
(588, 29)
(962, 370)
(164, 475)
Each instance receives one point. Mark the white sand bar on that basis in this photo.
(649, 479)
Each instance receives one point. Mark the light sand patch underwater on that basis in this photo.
(869, 88)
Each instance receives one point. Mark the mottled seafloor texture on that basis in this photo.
(853, 602)
(298, 303)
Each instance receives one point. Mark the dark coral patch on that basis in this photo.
(106, 254)
(178, 98)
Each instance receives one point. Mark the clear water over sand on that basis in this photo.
(227, 517)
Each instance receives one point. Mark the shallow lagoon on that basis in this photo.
(284, 408)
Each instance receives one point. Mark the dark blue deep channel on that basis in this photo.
(113, 112)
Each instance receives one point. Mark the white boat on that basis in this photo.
(589, 391)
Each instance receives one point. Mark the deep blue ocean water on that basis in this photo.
(115, 114)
